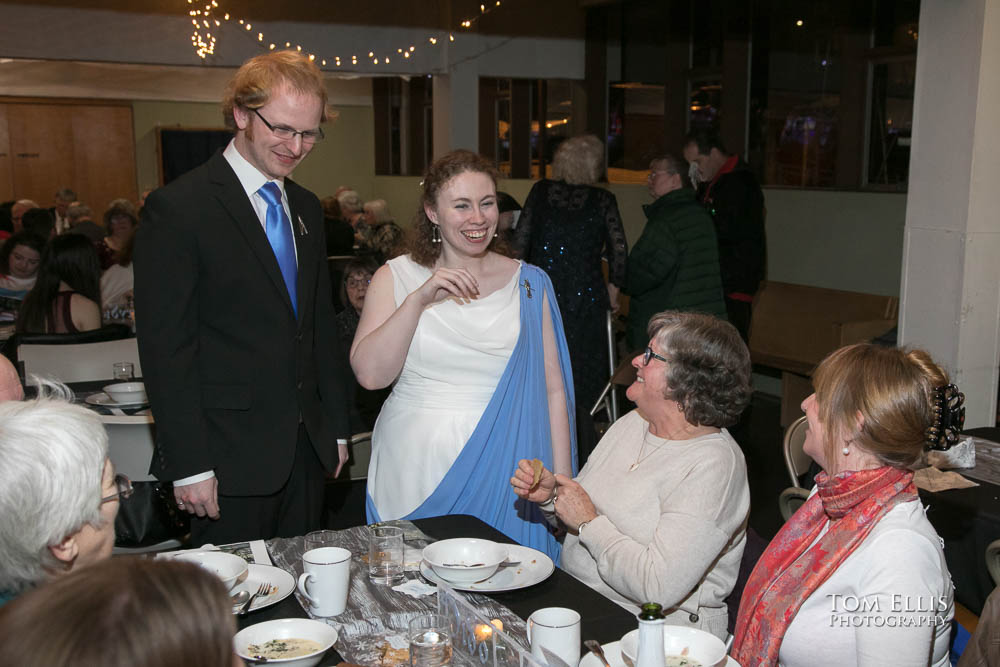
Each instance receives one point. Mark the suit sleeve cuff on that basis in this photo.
(194, 479)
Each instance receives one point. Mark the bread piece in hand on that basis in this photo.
(537, 466)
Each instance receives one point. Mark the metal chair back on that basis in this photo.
(796, 460)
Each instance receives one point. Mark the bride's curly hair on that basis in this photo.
(421, 248)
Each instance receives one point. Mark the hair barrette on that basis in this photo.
(948, 408)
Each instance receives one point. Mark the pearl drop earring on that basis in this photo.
(845, 451)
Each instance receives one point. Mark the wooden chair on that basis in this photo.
(796, 460)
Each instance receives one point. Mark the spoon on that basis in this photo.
(240, 597)
(595, 648)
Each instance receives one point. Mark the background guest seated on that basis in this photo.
(80, 220)
(124, 613)
(863, 534)
(120, 221)
(40, 222)
(20, 258)
(339, 234)
(357, 275)
(66, 297)
(117, 284)
(59, 494)
(659, 512)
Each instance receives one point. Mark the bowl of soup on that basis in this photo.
(290, 642)
(682, 645)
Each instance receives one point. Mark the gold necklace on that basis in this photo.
(639, 457)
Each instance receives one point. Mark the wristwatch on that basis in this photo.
(579, 529)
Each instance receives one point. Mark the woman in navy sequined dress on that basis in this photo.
(566, 226)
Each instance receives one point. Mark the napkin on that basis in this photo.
(962, 455)
(932, 479)
(415, 588)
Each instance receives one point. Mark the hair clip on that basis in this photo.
(948, 417)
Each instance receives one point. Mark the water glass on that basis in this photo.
(385, 555)
(318, 539)
(123, 371)
(430, 641)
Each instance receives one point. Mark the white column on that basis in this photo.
(951, 255)
(456, 97)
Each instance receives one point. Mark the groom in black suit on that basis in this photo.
(235, 320)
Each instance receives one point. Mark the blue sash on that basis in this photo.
(514, 426)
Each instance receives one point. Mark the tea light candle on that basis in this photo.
(483, 632)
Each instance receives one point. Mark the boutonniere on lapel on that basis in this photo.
(302, 228)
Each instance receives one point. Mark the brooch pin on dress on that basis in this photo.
(527, 287)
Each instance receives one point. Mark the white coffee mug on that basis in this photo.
(326, 580)
(557, 630)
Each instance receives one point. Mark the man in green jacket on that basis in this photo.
(675, 263)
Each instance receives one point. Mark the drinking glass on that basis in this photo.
(430, 641)
(318, 539)
(385, 555)
(123, 371)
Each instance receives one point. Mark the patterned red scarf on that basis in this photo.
(789, 571)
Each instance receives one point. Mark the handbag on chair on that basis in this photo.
(150, 516)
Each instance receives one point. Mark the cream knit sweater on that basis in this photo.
(671, 531)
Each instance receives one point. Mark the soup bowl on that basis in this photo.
(284, 629)
(702, 646)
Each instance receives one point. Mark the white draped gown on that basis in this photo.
(455, 361)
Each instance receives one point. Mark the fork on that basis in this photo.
(262, 590)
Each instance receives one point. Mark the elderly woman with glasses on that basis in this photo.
(659, 512)
(59, 494)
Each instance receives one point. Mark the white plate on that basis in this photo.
(102, 399)
(613, 652)
(282, 585)
(535, 567)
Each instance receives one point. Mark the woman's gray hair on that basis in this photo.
(579, 161)
(53, 455)
(350, 202)
(708, 366)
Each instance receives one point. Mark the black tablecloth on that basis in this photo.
(968, 520)
(601, 619)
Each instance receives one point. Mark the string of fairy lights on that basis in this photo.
(208, 20)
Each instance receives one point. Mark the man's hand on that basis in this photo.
(200, 498)
(342, 455)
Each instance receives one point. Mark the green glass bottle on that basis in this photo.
(651, 611)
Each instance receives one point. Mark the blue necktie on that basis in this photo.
(279, 234)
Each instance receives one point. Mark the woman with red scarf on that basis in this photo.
(857, 576)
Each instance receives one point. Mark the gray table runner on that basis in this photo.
(377, 616)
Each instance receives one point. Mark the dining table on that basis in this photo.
(967, 520)
(374, 610)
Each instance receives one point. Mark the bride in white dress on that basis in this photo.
(442, 323)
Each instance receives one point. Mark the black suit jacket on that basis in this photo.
(228, 367)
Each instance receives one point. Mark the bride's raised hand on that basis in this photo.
(445, 282)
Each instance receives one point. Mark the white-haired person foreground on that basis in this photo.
(59, 494)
